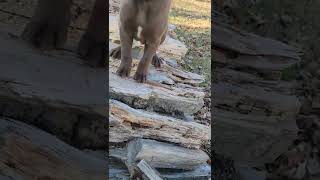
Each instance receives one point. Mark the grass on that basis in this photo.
(193, 21)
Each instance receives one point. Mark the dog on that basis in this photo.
(145, 21)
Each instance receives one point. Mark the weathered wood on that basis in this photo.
(127, 123)
(117, 170)
(256, 101)
(248, 52)
(177, 102)
(162, 93)
(251, 81)
(251, 44)
(254, 108)
(261, 139)
(33, 91)
(269, 67)
(26, 69)
(164, 155)
(31, 154)
(202, 172)
(148, 171)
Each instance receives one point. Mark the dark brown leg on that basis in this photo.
(143, 67)
(156, 60)
(126, 40)
(49, 26)
(92, 46)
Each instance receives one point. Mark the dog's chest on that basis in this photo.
(138, 33)
(141, 21)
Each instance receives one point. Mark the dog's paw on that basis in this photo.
(116, 53)
(157, 61)
(124, 70)
(140, 76)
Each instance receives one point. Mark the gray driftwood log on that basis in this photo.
(164, 155)
(148, 171)
(31, 90)
(31, 154)
(127, 123)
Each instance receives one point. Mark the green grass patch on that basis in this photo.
(193, 21)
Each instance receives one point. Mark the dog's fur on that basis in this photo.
(49, 26)
(147, 22)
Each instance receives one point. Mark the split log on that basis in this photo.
(202, 172)
(251, 44)
(69, 103)
(118, 168)
(127, 123)
(256, 101)
(148, 171)
(164, 155)
(31, 154)
(179, 101)
(249, 52)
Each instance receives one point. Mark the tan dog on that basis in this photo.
(147, 22)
